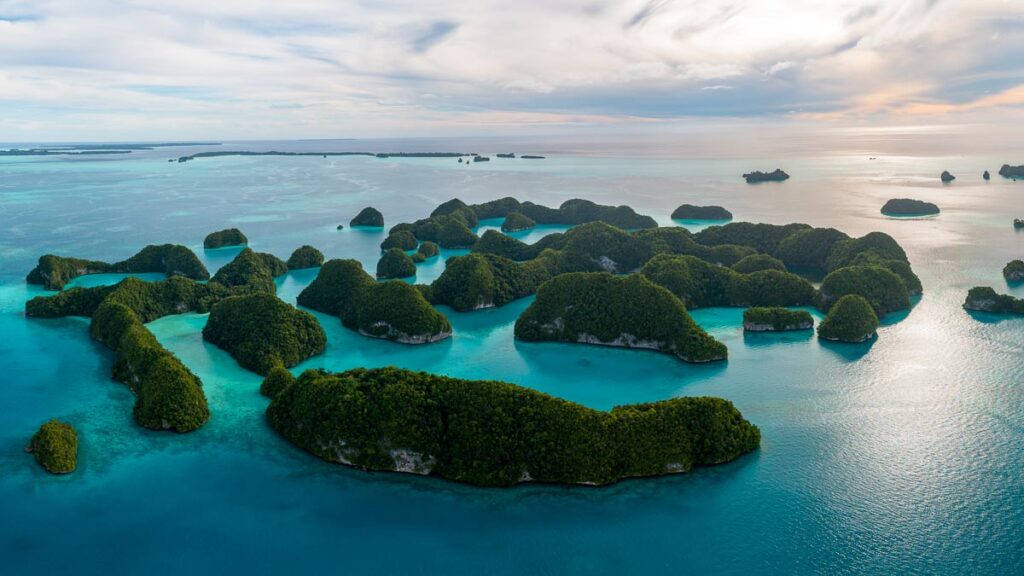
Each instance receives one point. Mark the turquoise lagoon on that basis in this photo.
(901, 456)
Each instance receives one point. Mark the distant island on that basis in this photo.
(1014, 172)
(691, 212)
(87, 149)
(776, 175)
(221, 153)
(985, 299)
(776, 319)
(909, 207)
(946, 177)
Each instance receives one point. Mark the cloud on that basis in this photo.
(200, 69)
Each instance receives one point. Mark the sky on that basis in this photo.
(255, 69)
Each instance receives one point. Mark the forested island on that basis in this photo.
(909, 207)
(225, 238)
(55, 447)
(691, 212)
(54, 272)
(776, 319)
(369, 217)
(777, 175)
(1007, 171)
(986, 299)
(491, 433)
(851, 319)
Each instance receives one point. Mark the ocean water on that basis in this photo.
(904, 455)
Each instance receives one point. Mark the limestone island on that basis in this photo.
(1014, 271)
(986, 175)
(776, 175)
(393, 310)
(369, 217)
(758, 263)
(225, 238)
(490, 433)
(1018, 223)
(776, 319)
(53, 272)
(395, 263)
(517, 222)
(691, 212)
(985, 299)
(946, 176)
(305, 257)
(426, 251)
(260, 331)
(55, 447)
(531, 157)
(481, 159)
(630, 312)
(851, 319)
(510, 155)
(909, 207)
(402, 239)
(1007, 171)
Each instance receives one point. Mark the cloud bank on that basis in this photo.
(106, 69)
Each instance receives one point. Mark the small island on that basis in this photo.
(1018, 223)
(630, 312)
(985, 299)
(393, 310)
(691, 212)
(426, 251)
(305, 257)
(517, 222)
(531, 157)
(510, 155)
(402, 239)
(776, 175)
(851, 319)
(395, 263)
(55, 447)
(1014, 172)
(490, 433)
(481, 159)
(986, 175)
(225, 238)
(776, 319)
(909, 207)
(1014, 271)
(368, 217)
(946, 176)
(276, 380)
(261, 331)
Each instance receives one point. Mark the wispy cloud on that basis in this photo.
(195, 68)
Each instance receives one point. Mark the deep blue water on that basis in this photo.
(901, 456)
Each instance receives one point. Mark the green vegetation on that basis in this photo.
(985, 299)
(401, 239)
(483, 280)
(53, 272)
(370, 217)
(55, 447)
(946, 177)
(426, 251)
(909, 207)
(631, 311)
(761, 237)
(248, 272)
(756, 176)
(851, 319)
(691, 212)
(1007, 171)
(277, 380)
(577, 211)
(885, 290)
(597, 247)
(776, 319)
(1014, 271)
(394, 310)
(499, 208)
(875, 244)
(260, 331)
(491, 433)
(758, 262)
(224, 238)
(494, 242)
(516, 221)
(700, 284)
(275, 265)
(168, 396)
(448, 230)
(395, 263)
(459, 209)
(809, 248)
(305, 257)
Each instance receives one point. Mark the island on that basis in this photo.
(631, 312)
(490, 433)
(481, 159)
(426, 251)
(225, 238)
(248, 272)
(276, 266)
(1018, 223)
(699, 284)
(909, 207)
(395, 263)
(54, 272)
(776, 175)
(1014, 271)
(531, 157)
(1007, 171)
(393, 310)
(946, 176)
(986, 175)
(757, 263)
(368, 217)
(510, 155)
(851, 319)
(402, 239)
(517, 222)
(985, 299)
(881, 287)
(55, 447)
(691, 212)
(276, 380)
(305, 257)
(261, 331)
(776, 319)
